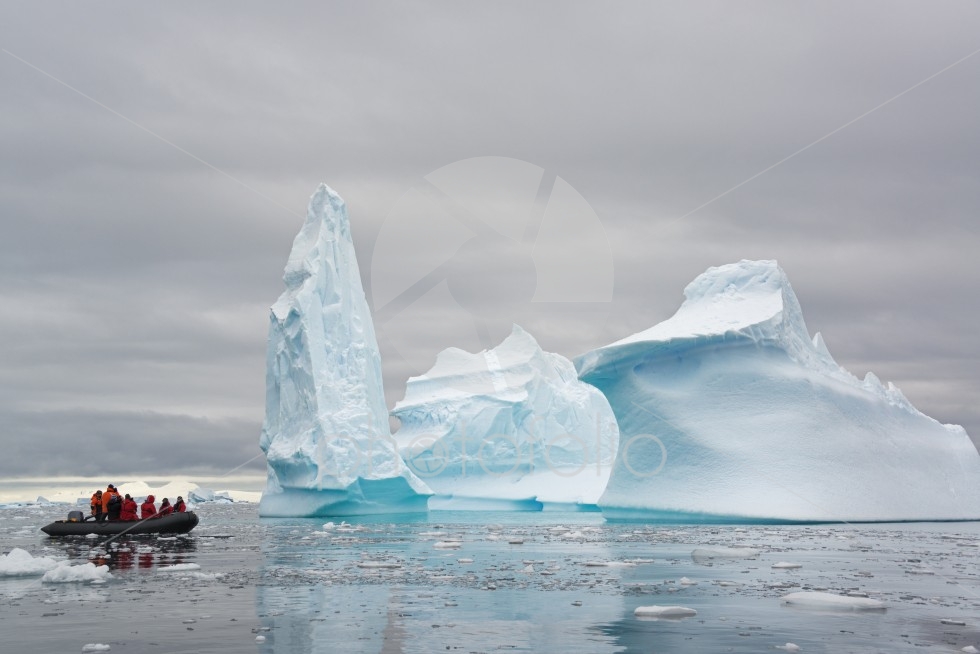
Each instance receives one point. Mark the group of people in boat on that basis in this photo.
(111, 505)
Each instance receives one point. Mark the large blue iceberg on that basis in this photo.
(730, 411)
(326, 437)
(510, 428)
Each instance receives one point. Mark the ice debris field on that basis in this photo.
(491, 581)
(729, 411)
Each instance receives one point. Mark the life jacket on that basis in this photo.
(96, 504)
(148, 508)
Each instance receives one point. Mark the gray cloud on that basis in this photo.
(136, 280)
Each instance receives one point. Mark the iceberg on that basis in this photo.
(326, 437)
(509, 428)
(729, 411)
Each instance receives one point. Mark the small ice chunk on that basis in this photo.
(515, 541)
(384, 565)
(464, 560)
(684, 581)
(957, 623)
(970, 649)
(447, 544)
(786, 565)
(724, 553)
(179, 567)
(608, 564)
(789, 647)
(67, 573)
(260, 638)
(20, 563)
(664, 612)
(815, 600)
(96, 647)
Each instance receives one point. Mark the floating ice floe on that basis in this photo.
(664, 612)
(179, 567)
(20, 563)
(831, 601)
(379, 565)
(789, 647)
(785, 565)
(710, 553)
(67, 573)
(96, 647)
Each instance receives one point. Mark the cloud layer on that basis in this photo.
(144, 228)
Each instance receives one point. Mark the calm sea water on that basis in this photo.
(477, 582)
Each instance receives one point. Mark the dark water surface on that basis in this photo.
(537, 582)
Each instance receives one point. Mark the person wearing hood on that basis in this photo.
(148, 509)
(165, 508)
(128, 512)
(179, 506)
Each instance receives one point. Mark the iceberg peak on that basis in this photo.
(326, 437)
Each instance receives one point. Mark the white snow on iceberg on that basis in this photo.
(730, 411)
(507, 428)
(326, 436)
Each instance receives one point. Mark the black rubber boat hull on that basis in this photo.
(175, 523)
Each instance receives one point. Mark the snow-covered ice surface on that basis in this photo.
(730, 411)
(509, 427)
(326, 436)
(378, 583)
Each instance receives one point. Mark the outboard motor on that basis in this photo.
(76, 516)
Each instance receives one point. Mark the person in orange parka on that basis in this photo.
(96, 505)
(107, 495)
(148, 509)
(128, 512)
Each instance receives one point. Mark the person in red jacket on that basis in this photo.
(179, 506)
(128, 509)
(148, 509)
(165, 508)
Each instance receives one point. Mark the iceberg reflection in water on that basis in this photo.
(533, 582)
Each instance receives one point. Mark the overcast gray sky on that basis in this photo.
(135, 277)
